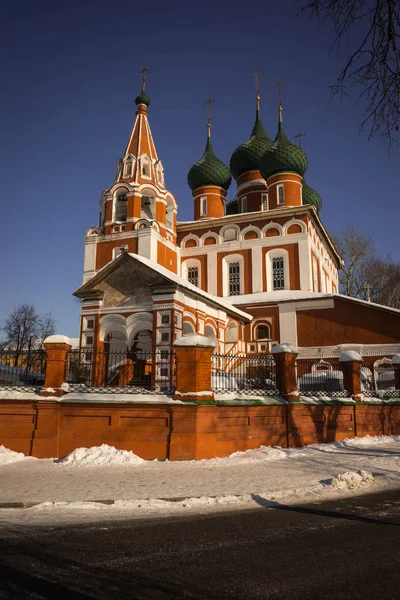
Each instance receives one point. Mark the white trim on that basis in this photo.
(250, 228)
(203, 206)
(264, 202)
(252, 183)
(188, 237)
(256, 269)
(230, 226)
(294, 222)
(272, 225)
(243, 204)
(280, 186)
(188, 263)
(212, 272)
(210, 234)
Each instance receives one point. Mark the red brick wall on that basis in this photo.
(179, 432)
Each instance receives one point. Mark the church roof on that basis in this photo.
(247, 156)
(283, 156)
(223, 303)
(209, 170)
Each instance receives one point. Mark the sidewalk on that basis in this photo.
(284, 475)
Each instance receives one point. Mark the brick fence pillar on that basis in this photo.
(285, 358)
(193, 368)
(396, 368)
(351, 362)
(57, 348)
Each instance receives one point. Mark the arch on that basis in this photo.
(277, 253)
(187, 270)
(210, 238)
(142, 224)
(148, 204)
(230, 233)
(275, 227)
(120, 204)
(188, 327)
(188, 237)
(294, 228)
(191, 243)
(251, 233)
(128, 166)
(94, 231)
(232, 333)
(145, 166)
(262, 331)
(210, 332)
(112, 324)
(137, 322)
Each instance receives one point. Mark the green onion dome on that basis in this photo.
(247, 156)
(209, 170)
(142, 99)
(310, 196)
(283, 156)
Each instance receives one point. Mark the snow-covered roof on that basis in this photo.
(277, 296)
(195, 340)
(298, 296)
(183, 283)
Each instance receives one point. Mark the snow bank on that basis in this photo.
(349, 356)
(350, 480)
(99, 456)
(9, 456)
(15, 395)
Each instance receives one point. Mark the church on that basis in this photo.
(248, 274)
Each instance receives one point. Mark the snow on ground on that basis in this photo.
(9, 456)
(99, 456)
(135, 488)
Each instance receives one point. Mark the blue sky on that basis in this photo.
(70, 73)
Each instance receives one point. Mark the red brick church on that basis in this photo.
(248, 274)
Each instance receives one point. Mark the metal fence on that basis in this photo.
(121, 372)
(24, 370)
(320, 378)
(379, 381)
(243, 374)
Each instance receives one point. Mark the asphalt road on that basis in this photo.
(334, 550)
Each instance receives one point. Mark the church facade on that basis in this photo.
(248, 274)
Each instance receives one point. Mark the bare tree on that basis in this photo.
(20, 327)
(383, 277)
(46, 327)
(356, 250)
(372, 29)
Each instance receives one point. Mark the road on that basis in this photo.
(343, 549)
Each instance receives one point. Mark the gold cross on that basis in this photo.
(256, 74)
(279, 85)
(209, 102)
(299, 135)
(368, 287)
(143, 72)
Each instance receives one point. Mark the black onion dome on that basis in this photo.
(247, 156)
(283, 156)
(209, 170)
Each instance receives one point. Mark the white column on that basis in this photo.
(288, 323)
(89, 262)
(305, 265)
(256, 269)
(212, 273)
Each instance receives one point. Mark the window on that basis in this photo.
(203, 206)
(165, 319)
(278, 273)
(263, 332)
(234, 278)
(244, 204)
(281, 194)
(165, 337)
(264, 202)
(193, 275)
(121, 207)
(89, 340)
(164, 372)
(164, 355)
(128, 167)
(146, 169)
(90, 324)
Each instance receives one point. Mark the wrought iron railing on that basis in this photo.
(379, 382)
(24, 370)
(121, 372)
(243, 374)
(320, 378)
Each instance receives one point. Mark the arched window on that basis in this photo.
(278, 273)
(121, 206)
(170, 215)
(277, 265)
(188, 328)
(230, 235)
(233, 275)
(128, 167)
(147, 207)
(263, 332)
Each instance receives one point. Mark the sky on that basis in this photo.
(70, 73)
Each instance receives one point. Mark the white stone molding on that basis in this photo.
(294, 222)
(270, 255)
(211, 234)
(188, 237)
(272, 225)
(110, 324)
(142, 321)
(251, 228)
